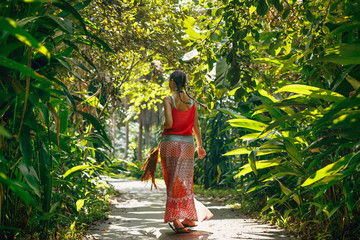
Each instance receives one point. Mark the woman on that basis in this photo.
(177, 157)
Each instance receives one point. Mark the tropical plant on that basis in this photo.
(291, 69)
(48, 170)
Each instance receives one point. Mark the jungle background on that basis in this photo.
(81, 91)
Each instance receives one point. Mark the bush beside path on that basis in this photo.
(137, 213)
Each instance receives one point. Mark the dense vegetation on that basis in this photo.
(287, 74)
(81, 81)
(47, 134)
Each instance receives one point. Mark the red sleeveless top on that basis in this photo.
(183, 122)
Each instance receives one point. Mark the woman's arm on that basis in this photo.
(168, 116)
(200, 150)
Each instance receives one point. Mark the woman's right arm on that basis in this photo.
(200, 150)
(168, 116)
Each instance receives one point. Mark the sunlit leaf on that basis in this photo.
(190, 55)
(189, 28)
(344, 54)
(257, 136)
(247, 124)
(327, 171)
(10, 26)
(79, 204)
(231, 112)
(259, 165)
(313, 92)
(77, 168)
(239, 151)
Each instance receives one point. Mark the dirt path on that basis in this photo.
(138, 214)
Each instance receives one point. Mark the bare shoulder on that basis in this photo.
(167, 99)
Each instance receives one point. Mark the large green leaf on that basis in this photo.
(31, 178)
(9, 63)
(247, 124)
(230, 112)
(270, 61)
(10, 26)
(335, 109)
(263, 150)
(259, 165)
(188, 24)
(328, 170)
(26, 145)
(313, 92)
(344, 54)
(77, 168)
(252, 160)
(269, 99)
(291, 119)
(257, 136)
(239, 151)
(347, 124)
(293, 152)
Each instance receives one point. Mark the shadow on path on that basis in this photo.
(138, 213)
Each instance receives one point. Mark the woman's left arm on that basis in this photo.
(168, 116)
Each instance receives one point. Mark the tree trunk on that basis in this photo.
(147, 137)
(148, 120)
(126, 131)
(140, 138)
(126, 140)
(113, 119)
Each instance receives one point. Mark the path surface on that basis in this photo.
(137, 213)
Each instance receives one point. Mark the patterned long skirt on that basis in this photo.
(177, 161)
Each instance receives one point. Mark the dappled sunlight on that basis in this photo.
(138, 213)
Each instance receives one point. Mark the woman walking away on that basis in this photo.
(177, 157)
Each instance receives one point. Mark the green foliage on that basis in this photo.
(280, 78)
(49, 178)
(290, 72)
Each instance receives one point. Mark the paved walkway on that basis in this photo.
(137, 213)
